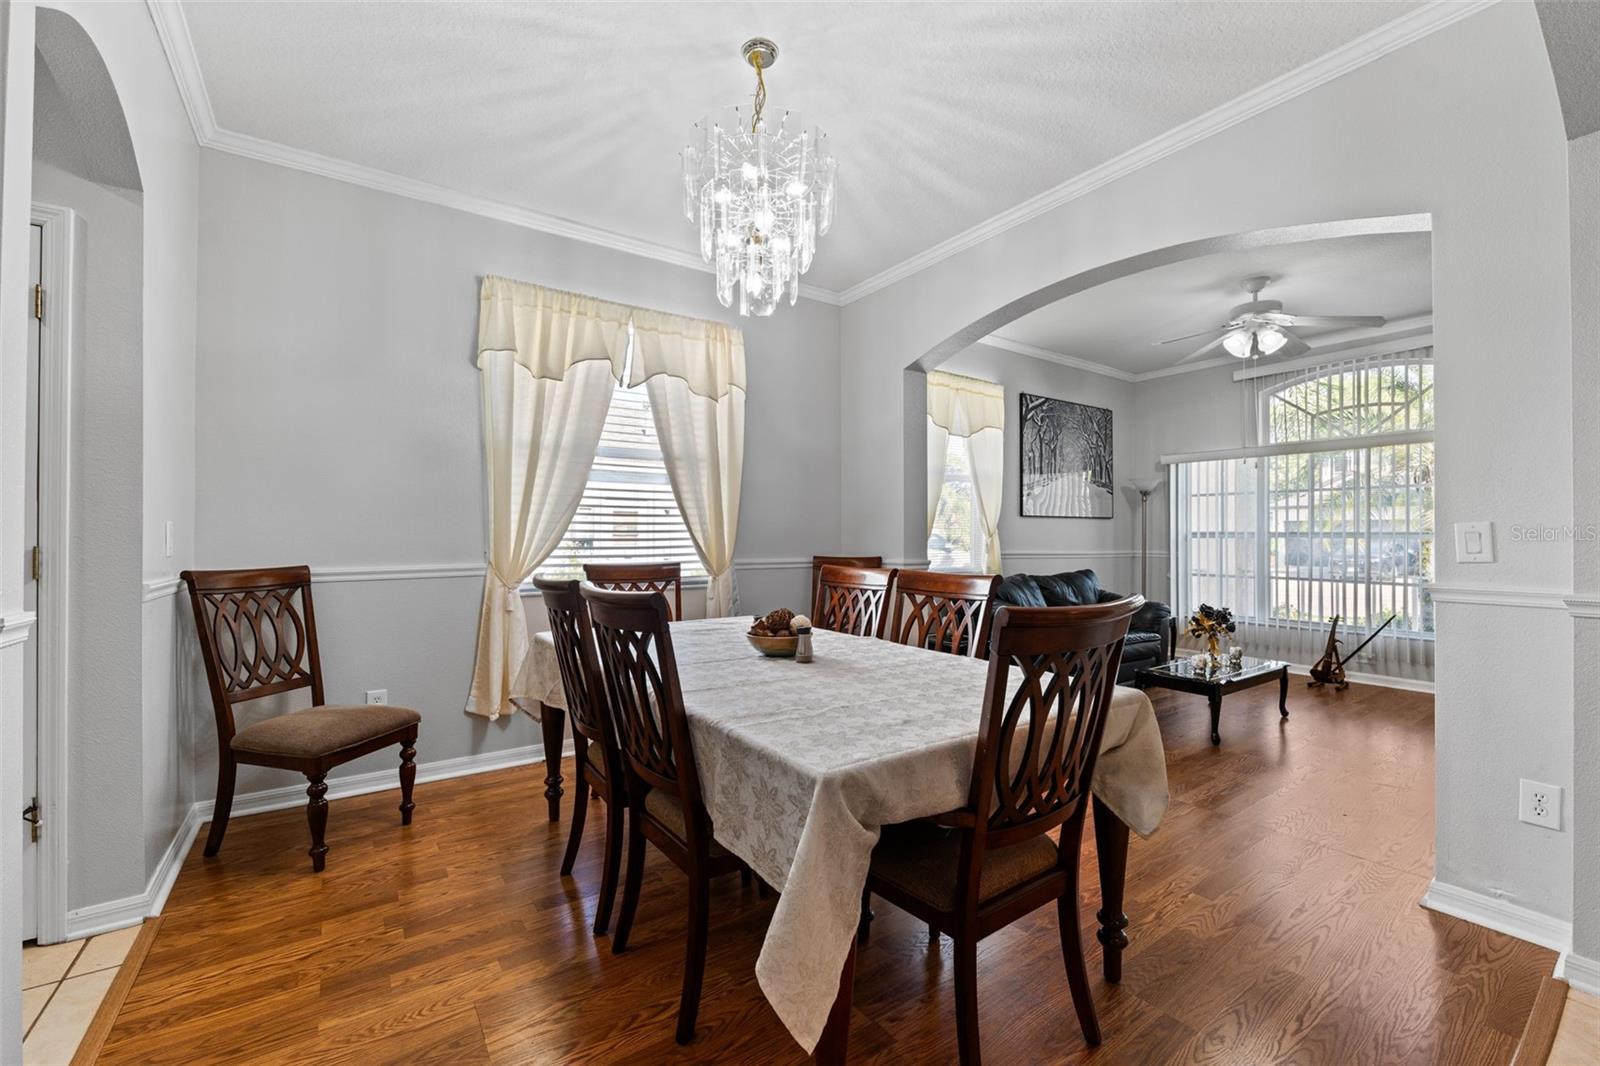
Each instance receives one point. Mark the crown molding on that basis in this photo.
(173, 29)
(1416, 329)
(995, 340)
(1410, 27)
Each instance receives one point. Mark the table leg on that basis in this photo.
(833, 1047)
(1283, 692)
(1215, 699)
(553, 723)
(1111, 848)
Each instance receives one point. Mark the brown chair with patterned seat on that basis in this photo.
(944, 612)
(975, 870)
(665, 578)
(599, 765)
(852, 600)
(664, 801)
(864, 562)
(258, 637)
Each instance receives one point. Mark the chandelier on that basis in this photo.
(762, 192)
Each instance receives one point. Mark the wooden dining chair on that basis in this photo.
(944, 612)
(665, 578)
(852, 600)
(258, 637)
(867, 562)
(664, 802)
(599, 764)
(977, 869)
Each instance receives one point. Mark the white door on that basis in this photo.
(30, 597)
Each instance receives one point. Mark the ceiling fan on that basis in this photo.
(1260, 327)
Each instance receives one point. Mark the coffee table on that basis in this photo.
(1181, 676)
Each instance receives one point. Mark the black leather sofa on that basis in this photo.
(1152, 634)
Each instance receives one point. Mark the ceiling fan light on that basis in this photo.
(1237, 342)
(1271, 338)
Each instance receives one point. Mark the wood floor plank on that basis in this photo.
(1274, 920)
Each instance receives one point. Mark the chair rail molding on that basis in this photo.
(1505, 596)
(16, 628)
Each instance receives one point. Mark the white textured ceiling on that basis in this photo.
(942, 115)
(1115, 324)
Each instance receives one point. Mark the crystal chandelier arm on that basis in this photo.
(761, 92)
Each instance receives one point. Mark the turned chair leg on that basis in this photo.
(408, 778)
(317, 816)
(227, 769)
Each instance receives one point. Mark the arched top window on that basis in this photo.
(1360, 398)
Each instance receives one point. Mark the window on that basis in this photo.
(1320, 523)
(628, 513)
(957, 540)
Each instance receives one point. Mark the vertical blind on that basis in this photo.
(1288, 540)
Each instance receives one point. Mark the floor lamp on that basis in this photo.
(1144, 487)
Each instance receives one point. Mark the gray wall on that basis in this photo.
(339, 420)
(1585, 197)
(1049, 545)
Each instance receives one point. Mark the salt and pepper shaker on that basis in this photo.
(802, 644)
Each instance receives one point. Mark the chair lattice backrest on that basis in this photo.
(575, 658)
(852, 600)
(258, 635)
(640, 674)
(665, 578)
(944, 612)
(1037, 746)
(861, 562)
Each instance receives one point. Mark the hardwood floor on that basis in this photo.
(1274, 920)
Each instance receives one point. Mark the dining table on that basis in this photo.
(802, 763)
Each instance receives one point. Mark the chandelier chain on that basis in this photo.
(761, 93)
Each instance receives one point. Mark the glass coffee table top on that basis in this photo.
(1250, 667)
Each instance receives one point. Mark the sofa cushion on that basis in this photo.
(1076, 588)
(1020, 590)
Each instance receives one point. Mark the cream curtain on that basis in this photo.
(693, 372)
(547, 362)
(967, 407)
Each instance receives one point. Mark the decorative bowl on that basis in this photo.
(773, 647)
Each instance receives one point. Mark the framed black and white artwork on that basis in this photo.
(1066, 459)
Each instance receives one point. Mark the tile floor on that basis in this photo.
(62, 986)
(1578, 1038)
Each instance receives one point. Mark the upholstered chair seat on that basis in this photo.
(668, 813)
(924, 861)
(320, 731)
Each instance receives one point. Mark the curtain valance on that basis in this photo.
(708, 356)
(547, 331)
(962, 406)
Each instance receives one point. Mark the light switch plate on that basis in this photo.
(169, 539)
(1474, 542)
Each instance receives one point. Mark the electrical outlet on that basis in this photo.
(377, 695)
(1540, 804)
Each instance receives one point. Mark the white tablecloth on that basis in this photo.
(801, 763)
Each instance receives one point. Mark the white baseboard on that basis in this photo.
(1579, 972)
(1406, 684)
(119, 913)
(1500, 915)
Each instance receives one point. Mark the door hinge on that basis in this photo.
(38, 302)
(38, 562)
(30, 814)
